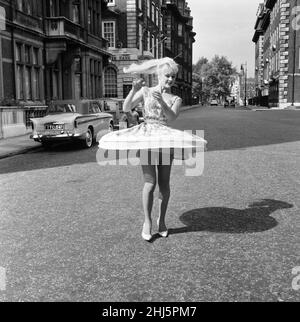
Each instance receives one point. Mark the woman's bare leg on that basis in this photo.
(149, 173)
(164, 172)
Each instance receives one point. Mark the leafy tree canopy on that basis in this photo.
(213, 79)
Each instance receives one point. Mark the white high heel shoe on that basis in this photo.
(163, 234)
(146, 237)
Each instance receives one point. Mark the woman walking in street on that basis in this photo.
(153, 138)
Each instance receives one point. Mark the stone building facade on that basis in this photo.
(138, 30)
(258, 39)
(134, 30)
(278, 24)
(50, 50)
(178, 27)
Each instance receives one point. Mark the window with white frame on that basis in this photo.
(109, 32)
(111, 3)
(110, 82)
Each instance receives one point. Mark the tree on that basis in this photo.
(216, 78)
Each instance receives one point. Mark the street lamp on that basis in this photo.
(244, 71)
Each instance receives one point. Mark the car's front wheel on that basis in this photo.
(88, 139)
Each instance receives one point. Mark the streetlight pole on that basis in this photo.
(244, 72)
(245, 84)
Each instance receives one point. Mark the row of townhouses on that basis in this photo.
(277, 53)
(71, 49)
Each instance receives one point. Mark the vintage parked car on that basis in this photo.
(121, 120)
(83, 121)
(213, 103)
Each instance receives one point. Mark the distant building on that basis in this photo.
(49, 50)
(178, 27)
(258, 39)
(236, 90)
(134, 30)
(138, 30)
(277, 24)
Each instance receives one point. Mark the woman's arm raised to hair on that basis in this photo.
(132, 100)
(135, 96)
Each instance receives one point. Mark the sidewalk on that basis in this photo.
(17, 145)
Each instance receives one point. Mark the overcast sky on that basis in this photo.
(225, 27)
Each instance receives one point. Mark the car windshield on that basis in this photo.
(61, 108)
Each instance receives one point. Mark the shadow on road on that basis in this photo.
(255, 218)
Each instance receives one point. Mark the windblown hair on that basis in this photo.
(152, 66)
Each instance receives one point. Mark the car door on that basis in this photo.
(101, 123)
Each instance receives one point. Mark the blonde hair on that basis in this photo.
(152, 66)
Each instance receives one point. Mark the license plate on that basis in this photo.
(54, 126)
(52, 133)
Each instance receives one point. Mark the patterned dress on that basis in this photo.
(153, 133)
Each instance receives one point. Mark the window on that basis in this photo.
(94, 17)
(149, 41)
(28, 70)
(30, 7)
(152, 44)
(161, 22)
(148, 8)
(20, 5)
(140, 4)
(95, 78)
(76, 12)
(109, 33)
(2, 18)
(53, 8)
(78, 78)
(110, 82)
(126, 89)
(111, 2)
(55, 82)
(153, 12)
(180, 29)
(140, 37)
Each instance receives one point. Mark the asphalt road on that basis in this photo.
(70, 228)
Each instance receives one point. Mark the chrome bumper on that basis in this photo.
(40, 136)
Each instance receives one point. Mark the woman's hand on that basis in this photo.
(157, 95)
(138, 84)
